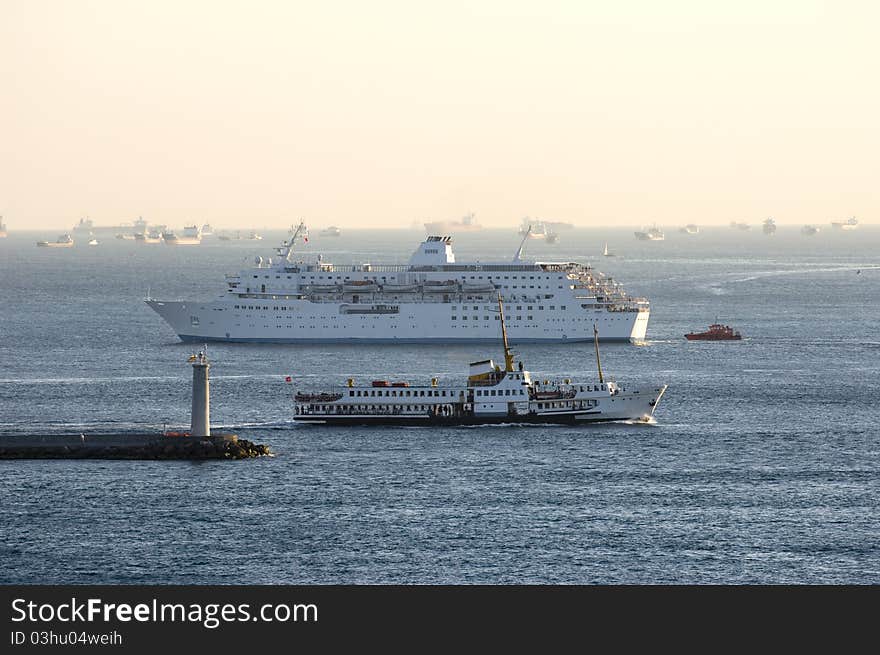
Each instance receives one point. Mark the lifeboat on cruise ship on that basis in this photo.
(441, 287)
(478, 287)
(321, 288)
(400, 288)
(360, 286)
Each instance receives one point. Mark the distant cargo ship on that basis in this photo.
(87, 226)
(64, 241)
(848, 224)
(191, 236)
(769, 226)
(153, 235)
(740, 226)
(534, 228)
(652, 233)
(331, 231)
(466, 224)
(3, 233)
(690, 228)
(809, 230)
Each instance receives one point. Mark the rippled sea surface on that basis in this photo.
(762, 466)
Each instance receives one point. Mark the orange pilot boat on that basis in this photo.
(716, 332)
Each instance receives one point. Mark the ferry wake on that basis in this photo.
(492, 395)
(433, 298)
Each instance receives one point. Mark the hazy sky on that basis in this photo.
(378, 113)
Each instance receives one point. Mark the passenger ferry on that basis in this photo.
(491, 395)
(433, 298)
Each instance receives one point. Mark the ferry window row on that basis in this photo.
(498, 392)
(406, 393)
(486, 318)
(381, 409)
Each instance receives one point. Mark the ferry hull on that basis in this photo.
(433, 421)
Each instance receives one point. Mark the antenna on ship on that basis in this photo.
(598, 362)
(286, 250)
(519, 251)
(508, 355)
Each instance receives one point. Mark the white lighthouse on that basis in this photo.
(201, 397)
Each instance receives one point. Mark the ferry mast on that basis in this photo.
(508, 355)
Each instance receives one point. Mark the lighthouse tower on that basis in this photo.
(201, 397)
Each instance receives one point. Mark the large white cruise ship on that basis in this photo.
(431, 299)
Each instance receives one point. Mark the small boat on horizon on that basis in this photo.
(63, 241)
(809, 230)
(468, 223)
(606, 252)
(769, 226)
(192, 236)
(331, 231)
(690, 228)
(534, 228)
(652, 233)
(849, 224)
(716, 332)
(740, 226)
(153, 235)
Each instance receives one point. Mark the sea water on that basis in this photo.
(762, 466)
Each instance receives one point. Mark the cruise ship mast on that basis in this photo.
(286, 248)
(519, 251)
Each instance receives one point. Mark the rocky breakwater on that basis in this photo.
(129, 446)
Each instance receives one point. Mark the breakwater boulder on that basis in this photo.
(129, 446)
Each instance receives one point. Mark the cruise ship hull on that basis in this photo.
(311, 322)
